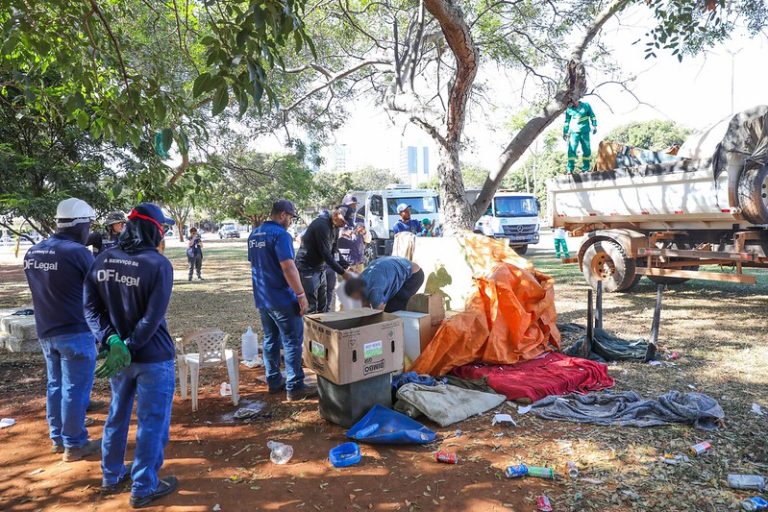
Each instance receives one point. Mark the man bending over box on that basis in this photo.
(387, 283)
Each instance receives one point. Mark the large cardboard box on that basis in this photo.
(352, 345)
(428, 303)
(418, 332)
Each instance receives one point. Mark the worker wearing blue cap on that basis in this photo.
(126, 296)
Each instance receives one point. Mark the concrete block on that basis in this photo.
(14, 344)
(22, 327)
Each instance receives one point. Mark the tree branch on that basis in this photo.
(104, 22)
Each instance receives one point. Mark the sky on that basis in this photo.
(695, 93)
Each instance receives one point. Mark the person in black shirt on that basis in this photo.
(316, 251)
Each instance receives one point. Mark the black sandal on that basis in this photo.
(164, 487)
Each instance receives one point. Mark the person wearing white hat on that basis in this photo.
(55, 270)
(406, 224)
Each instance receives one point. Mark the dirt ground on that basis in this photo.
(719, 330)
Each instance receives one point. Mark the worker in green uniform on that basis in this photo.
(578, 117)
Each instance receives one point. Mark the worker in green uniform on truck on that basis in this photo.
(578, 117)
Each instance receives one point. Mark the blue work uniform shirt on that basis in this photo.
(55, 270)
(412, 226)
(268, 245)
(128, 294)
(384, 277)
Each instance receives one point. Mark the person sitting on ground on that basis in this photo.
(55, 270)
(195, 253)
(387, 284)
(126, 296)
(406, 224)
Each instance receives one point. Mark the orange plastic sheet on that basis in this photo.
(509, 318)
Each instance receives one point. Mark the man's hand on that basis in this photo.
(117, 357)
(303, 304)
(347, 275)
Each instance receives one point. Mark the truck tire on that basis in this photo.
(522, 249)
(753, 195)
(607, 261)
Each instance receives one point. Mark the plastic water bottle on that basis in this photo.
(747, 482)
(250, 345)
(280, 453)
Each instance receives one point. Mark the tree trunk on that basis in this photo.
(456, 210)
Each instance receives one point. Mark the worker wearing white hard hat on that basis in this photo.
(55, 270)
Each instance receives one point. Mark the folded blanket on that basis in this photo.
(628, 409)
(444, 404)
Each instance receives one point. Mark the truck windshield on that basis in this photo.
(419, 205)
(515, 207)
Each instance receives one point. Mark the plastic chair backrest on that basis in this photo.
(210, 345)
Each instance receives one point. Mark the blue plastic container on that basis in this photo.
(385, 426)
(344, 455)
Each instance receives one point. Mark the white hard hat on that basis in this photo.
(74, 211)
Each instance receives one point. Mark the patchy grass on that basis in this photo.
(719, 329)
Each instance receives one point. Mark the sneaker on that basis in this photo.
(75, 454)
(164, 487)
(95, 405)
(278, 389)
(120, 486)
(302, 393)
(57, 448)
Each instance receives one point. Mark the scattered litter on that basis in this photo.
(543, 504)
(755, 503)
(253, 363)
(457, 433)
(250, 412)
(523, 409)
(573, 469)
(700, 448)
(279, 453)
(673, 356)
(593, 481)
(344, 455)
(446, 457)
(7, 422)
(655, 363)
(225, 389)
(216, 508)
(674, 460)
(691, 386)
(749, 482)
(385, 426)
(36, 472)
(503, 418)
(757, 409)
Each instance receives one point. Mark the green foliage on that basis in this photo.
(539, 167)
(656, 135)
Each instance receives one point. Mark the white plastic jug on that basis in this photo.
(250, 345)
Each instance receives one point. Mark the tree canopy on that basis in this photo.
(655, 135)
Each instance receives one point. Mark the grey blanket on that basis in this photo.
(628, 409)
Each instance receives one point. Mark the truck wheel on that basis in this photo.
(606, 261)
(753, 195)
(521, 249)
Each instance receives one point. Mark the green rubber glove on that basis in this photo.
(118, 357)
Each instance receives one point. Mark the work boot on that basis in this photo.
(95, 405)
(120, 485)
(57, 448)
(302, 393)
(75, 454)
(278, 389)
(164, 487)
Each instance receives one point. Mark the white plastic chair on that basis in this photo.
(211, 350)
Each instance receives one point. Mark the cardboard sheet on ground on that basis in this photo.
(510, 317)
(444, 404)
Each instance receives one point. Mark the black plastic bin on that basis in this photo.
(345, 404)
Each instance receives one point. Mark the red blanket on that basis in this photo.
(551, 374)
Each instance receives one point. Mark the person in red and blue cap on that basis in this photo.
(126, 295)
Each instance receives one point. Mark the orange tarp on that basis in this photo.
(510, 317)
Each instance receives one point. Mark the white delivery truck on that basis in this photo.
(379, 209)
(511, 215)
(664, 217)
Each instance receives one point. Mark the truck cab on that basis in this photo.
(514, 216)
(379, 209)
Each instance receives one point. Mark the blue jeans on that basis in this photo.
(283, 327)
(152, 384)
(70, 360)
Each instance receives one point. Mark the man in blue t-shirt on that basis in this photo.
(55, 270)
(406, 224)
(387, 283)
(280, 299)
(126, 296)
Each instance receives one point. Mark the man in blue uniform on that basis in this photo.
(113, 226)
(280, 299)
(126, 295)
(387, 283)
(406, 224)
(56, 269)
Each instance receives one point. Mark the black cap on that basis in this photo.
(284, 205)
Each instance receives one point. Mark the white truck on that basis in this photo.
(665, 217)
(379, 209)
(511, 215)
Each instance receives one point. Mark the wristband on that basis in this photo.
(300, 295)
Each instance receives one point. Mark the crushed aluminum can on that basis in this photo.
(700, 448)
(543, 504)
(446, 458)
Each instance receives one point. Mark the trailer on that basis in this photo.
(665, 216)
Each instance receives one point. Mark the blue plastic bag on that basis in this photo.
(344, 455)
(385, 426)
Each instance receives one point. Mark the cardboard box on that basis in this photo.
(418, 332)
(352, 345)
(430, 304)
